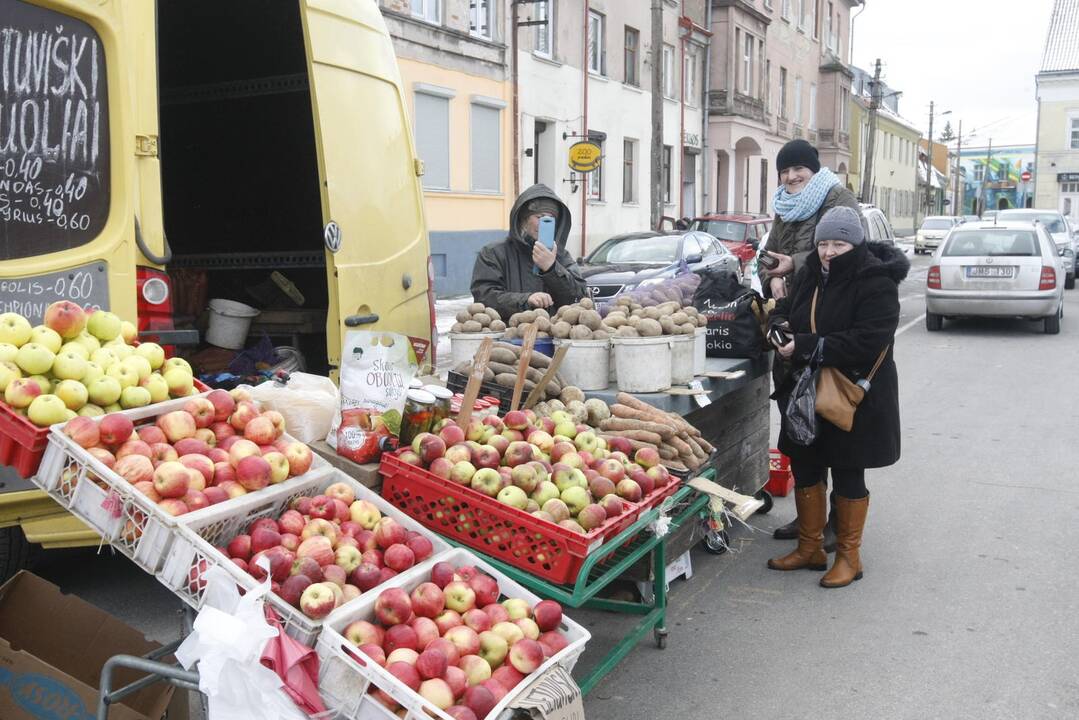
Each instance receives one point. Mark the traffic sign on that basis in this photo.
(1025, 176)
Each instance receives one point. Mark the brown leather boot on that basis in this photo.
(848, 564)
(812, 506)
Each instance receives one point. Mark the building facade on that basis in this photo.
(893, 181)
(454, 64)
(1057, 153)
(992, 178)
(778, 72)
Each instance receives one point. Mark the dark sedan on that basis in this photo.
(626, 262)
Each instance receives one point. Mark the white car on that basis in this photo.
(1003, 269)
(932, 232)
(1057, 226)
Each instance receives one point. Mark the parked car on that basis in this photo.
(1058, 226)
(932, 232)
(628, 261)
(1007, 269)
(742, 234)
(880, 230)
(970, 218)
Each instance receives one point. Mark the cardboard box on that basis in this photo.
(366, 474)
(52, 649)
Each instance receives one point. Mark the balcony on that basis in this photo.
(743, 105)
(835, 139)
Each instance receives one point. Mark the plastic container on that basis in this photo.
(682, 347)
(542, 345)
(457, 382)
(700, 350)
(229, 323)
(586, 363)
(195, 548)
(780, 478)
(514, 536)
(346, 674)
(123, 516)
(612, 367)
(644, 364)
(463, 346)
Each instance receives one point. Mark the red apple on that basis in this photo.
(507, 676)
(322, 507)
(399, 557)
(151, 435)
(384, 574)
(253, 473)
(375, 652)
(442, 574)
(215, 495)
(480, 700)
(264, 538)
(222, 431)
(319, 548)
(133, 446)
(393, 606)
(389, 532)
(299, 457)
(291, 522)
(318, 600)
(307, 566)
(437, 692)
(486, 589)
(292, 589)
(477, 619)
(465, 639)
(103, 456)
(171, 480)
(428, 600)
(448, 620)
(476, 668)
(202, 410)
(526, 655)
(426, 631)
(457, 680)
(260, 430)
(555, 641)
(114, 429)
(460, 597)
(177, 425)
(83, 431)
(244, 412)
(548, 615)
(362, 632)
(223, 404)
(497, 613)
(146, 487)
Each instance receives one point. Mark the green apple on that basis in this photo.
(178, 362)
(105, 391)
(159, 389)
(179, 381)
(93, 372)
(134, 397)
(513, 496)
(42, 382)
(91, 410)
(128, 332)
(8, 352)
(126, 375)
(8, 371)
(104, 325)
(576, 498)
(69, 366)
(14, 329)
(34, 359)
(47, 410)
(139, 364)
(75, 347)
(105, 357)
(153, 352)
(73, 393)
(88, 341)
(115, 407)
(566, 429)
(561, 416)
(121, 349)
(545, 491)
(46, 336)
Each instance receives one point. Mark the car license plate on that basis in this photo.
(987, 271)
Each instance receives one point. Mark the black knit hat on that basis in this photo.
(798, 152)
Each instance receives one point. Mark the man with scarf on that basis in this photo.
(519, 273)
(806, 191)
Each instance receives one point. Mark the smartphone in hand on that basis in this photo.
(546, 232)
(768, 261)
(779, 336)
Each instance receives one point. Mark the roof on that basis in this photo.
(1062, 40)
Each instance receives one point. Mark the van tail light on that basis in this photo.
(932, 280)
(431, 311)
(1048, 280)
(154, 290)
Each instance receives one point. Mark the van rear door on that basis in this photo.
(377, 251)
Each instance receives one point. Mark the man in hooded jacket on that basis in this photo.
(519, 273)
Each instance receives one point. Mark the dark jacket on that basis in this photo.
(503, 276)
(796, 239)
(857, 315)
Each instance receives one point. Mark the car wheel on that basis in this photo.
(933, 322)
(1052, 324)
(1069, 282)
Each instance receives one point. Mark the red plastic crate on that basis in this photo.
(23, 443)
(780, 478)
(496, 529)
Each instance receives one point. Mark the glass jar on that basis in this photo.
(418, 416)
(442, 396)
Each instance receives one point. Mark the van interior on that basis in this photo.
(239, 169)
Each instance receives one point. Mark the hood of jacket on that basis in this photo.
(869, 259)
(563, 222)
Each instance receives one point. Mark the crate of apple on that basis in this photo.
(325, 546)
(456, 640)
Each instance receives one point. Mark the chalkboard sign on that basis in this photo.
(54, 132)
(86, 286)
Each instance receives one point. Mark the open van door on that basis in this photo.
(377, 252)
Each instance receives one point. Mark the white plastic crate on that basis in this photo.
(123, 516)
(346, 674)
(195, 548)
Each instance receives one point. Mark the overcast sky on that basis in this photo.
(976, 58)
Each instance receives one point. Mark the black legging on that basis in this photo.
(846, 482)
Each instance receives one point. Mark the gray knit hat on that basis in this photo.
(840, 223)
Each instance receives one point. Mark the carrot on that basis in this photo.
(618, 423)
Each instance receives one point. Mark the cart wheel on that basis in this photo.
(661, 637)
(716, 543)
(766, 496)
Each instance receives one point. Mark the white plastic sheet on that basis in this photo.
(307, 402)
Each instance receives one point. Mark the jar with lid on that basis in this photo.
(418, 416)
(443, 397)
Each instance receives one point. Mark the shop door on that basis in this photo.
(377, 252)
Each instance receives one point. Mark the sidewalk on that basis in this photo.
(446, 310)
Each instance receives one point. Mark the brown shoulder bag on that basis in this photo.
(837, 396)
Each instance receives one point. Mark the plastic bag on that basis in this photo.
(307, 402)
(801, 412)
(376, 369)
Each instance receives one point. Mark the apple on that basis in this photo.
(201, 410)
(279, 468)
(136, 468)
(421, 547)
(103, 456)
(393, 607)
(152, 353)
(115, 429)
(195, 500)
(432, 663)
(66, 318)
(123, 374)
(223, 404)
(517, 608)
(222, 430)
(404, 655)
(317, 600)
(557, 509)
(340, 491)
(240, 547)
(139, 364)
(464, 638)
(365, 513)
(400, 636)
(15, 329)
(171, 480)
(147, 488)
(646, 457)
(407, 456)
(243, 413)
(513, 496)
(177, 425)
(259, 430)
(277, 420)
(365, 576)
(528, 627)
(399, 557)
(428, 447)
(451, 434)
(629, 490)
(36, 359)
(612, 505)
(173, 506)
(526, 655)
(389, 532)
(437, 692)
(459, 453)
(292, 589)
(47, 410)
(507, 676)
(476, 668)
(487, 481)
(500, 443)
(104, 325)
(134, 446)
(291, 521)
(375, 652)
(591, 516)
(232, 488)
(319, 548)
(253, 473)
(104, 391)
(83, 431)
(486, 589)
(373, 556)
(463, 472)
(180, 382)
(362, 632)
(459, 597)
(572, 526)
(428, 600)
(486, 457)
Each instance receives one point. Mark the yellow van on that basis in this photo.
(198, 138)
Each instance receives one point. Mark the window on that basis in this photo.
(798, 101)
(629, 171)
(1073, 127)
(768, 86)
(844, 110)
(481, 18)
(783, 92)
(485, 144)
(803, 13)
(597, 43)
(667, 152)
(813, 18)
(668, 71)
(429, 10)
(785, 11)
(432, 128)
(691, 246)
(633, 43)
(747, 65)
(545, 33)
(595, 178)
(689, 78)
(813, 106)
(979, 172)
(831, 27)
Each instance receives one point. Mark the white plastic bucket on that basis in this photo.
(644, 364)
(463, 346)
(229, 323)
(700, 350)
(586, 362)
(682, 347)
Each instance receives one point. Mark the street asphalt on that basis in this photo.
(969, 608)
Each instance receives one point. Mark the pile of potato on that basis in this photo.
(579, 321)
(502, 369)
(520, 322)
(478, 319)
(629, 319)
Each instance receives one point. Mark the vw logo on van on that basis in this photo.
(332, 235)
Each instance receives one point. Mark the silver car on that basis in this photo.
(1007, 270)
(1058, 227)
(931, 234)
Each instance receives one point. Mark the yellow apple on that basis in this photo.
(159, 389)
(47, 410)
(115, 407)
(134, 397)
(14, 329)
(104, 325)
(72, 392)
(69, 366)
(42, 382)
(34, 359)
(76, 347)
(8, 352)
(105, 357)
(105, 391)
(88, 341)
(8, 371)
(153, 352)
(46, 336)
(93, 372)
(126, 375)
(178, 362)
(91, 410)
(179, 381)
(139, 364)
(128, 332)
(117, 346)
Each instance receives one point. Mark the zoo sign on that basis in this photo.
(584, 156)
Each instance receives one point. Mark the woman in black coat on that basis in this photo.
(857, 311)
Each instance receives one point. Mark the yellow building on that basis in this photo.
(893, 183)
